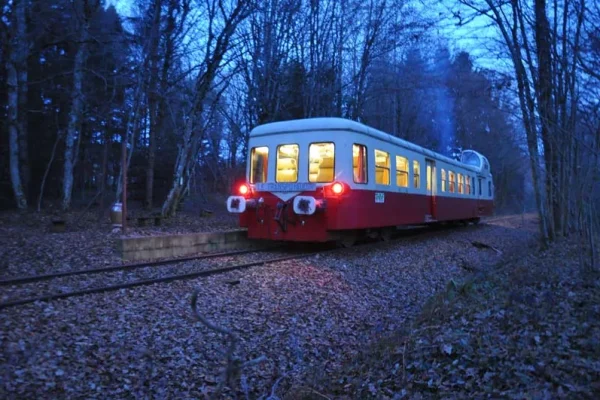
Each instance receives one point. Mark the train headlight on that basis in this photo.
(337, 188)
(243, 189)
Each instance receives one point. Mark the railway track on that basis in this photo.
(123, 267)
(190, 272)
(502, 218)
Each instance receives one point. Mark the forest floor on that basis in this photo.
(529, 327)
(28, 246)
(311, 319)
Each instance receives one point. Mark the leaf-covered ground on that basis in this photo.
(309, 318)
(28, 246)
(528, 328)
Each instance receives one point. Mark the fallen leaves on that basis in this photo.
(311, 319)
(29, 248)
(528, 329)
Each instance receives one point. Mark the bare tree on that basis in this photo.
(544, 56)
(217, 45)
(152, 61)
(23, 51)
(89, 7)
(16, 70)
(374, 20)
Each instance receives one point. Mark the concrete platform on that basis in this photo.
(170, 246)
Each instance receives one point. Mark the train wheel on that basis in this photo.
(385, 234)
(347, 240)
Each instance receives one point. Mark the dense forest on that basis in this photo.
(182, 83)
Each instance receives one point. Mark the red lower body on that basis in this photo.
(356, 210)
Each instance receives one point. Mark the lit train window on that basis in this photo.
(443, 180)
(416, 174)
(428, 176)
(452, 181)
(382, 167)
(460, 183)
(259, 163)
(359, 163)
(287, 163)
(321, 162)
(468, 184)
(401, 171)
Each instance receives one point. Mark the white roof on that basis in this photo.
(342, 124)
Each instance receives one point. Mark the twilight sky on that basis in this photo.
(477, 38)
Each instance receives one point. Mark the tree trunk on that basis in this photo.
(547, 117)
(23, 53)
(13, 106)
(153, 98)
(104, 166)
(151, 161)
(340, 46)
(14, 62)
(46, 172)
(74, 118)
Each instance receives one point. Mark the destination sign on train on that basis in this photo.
(286, 187)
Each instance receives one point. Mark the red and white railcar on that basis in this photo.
(325, 179)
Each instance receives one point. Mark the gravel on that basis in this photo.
(308, 317)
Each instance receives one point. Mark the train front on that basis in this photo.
(291, 192)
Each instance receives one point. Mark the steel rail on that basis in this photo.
(37, 278)
(165, 279)
(145, 282)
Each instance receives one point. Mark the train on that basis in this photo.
(334, 179)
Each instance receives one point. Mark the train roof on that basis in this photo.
(342, 124)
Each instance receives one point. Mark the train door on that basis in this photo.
(479, 195)
(431, 190)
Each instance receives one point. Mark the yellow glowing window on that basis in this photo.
(443, 180)
(382, 167)
(359, 163)
(321, 162)
(259, 163)
(468, 184)
(401, 171)
(416, 174)
(287, 163)
(451, 181)
(460, 183)
(430, 177)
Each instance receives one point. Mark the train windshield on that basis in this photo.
(321, 162)
(471, 158)
(258, 165)
(287, 163)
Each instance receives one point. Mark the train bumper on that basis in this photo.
(308, 205)
(239, 204)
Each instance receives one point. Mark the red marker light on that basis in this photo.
(243, 189)
(337, 188)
